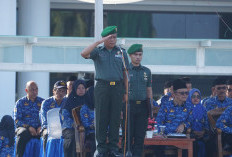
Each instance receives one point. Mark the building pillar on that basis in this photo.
(34, 20)
(7, 78)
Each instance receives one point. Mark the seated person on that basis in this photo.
(55, 101)
(167, 93)
(87, 119)
(176, 114)
(7, 136)
(26, 117)
(200, 125)
(225, 124)
(75, 99)
(216, 105)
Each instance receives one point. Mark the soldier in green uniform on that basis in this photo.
(140, 96)
(109, 90)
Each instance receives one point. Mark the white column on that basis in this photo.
(34, 20)
(7, 78)
(98, 19)
(34, 17)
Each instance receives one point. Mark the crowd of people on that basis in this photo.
(122, 89)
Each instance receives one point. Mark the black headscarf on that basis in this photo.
(73, 99)
(90, 98)
(7, 128)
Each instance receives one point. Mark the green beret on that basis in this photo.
(135, 48)
(109, 30)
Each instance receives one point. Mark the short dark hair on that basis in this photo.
(72, 78)
(186, 79)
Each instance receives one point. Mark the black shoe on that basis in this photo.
(115, 154)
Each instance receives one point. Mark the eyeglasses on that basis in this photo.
(230, 90)
(183, 93)
(196, 96)
(222, 88)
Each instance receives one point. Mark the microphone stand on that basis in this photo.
(128, 153)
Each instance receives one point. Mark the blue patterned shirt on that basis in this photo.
(26, 112)
(66, 119)
(87, 119)
(201, 123)
(213, 103)
(5, 150)
(172, 116)
(224, 122)
(47, 105)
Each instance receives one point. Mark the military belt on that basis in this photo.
(110, 83)
(138, 102)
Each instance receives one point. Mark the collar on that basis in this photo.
(103, 47)
(224, 101)
(136, 67)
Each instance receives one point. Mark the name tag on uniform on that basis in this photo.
(118, 56)
(112, 83)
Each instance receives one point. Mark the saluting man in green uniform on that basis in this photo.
(109, 90)
(140, 96)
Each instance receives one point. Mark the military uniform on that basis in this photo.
(108, 93)
(140, 80)
(213, 103)
(225, 124)
(26, 114)
(172, 116)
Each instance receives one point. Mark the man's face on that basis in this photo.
(32, 91)
(111, 42)
(81, 90)
(69, 86)
(181, 95)
(229, 91)
(221, 91)
(136, 58)
(59, 93)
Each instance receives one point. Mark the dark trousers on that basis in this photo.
(108, 102)
(23, 136)
(90, 143)
(138, 125)
(69, 144)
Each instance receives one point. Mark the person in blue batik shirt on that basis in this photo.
(7, 136)
(176, 114)
(55, 101)
(200, 125)
(87, 119)
(216, 105)
(225, 124)
(26, 117)
(167, 93)
(75, 99)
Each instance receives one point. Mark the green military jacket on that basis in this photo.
(140, 79)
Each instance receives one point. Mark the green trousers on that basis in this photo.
(138, 126)
(108, 103)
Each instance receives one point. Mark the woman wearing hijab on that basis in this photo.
(7, 133)
(87, 119)
(75, 99)
(200, 125)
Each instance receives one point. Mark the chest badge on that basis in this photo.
(118, 54)
(52, 105)
(26, 104)
(145, 76)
